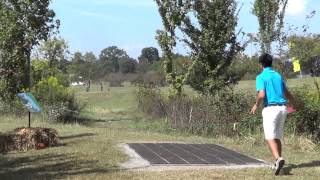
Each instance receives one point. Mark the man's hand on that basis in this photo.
(260, 97)
(254, 109)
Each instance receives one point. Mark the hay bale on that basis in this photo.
(23, 139)
(6, 143)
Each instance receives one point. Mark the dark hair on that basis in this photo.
(265, 60)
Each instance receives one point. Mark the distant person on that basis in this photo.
(273, 93)
(101, 86)
(88, 86)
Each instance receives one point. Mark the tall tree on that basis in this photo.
(78, 58)
(208, 29)
(89, 61)
(23, 24)
(149, 55)
(305, 48)
(270, 14)
(89, 57)
(78, 66)
(110, 57)
(127, 65)
(54, 50)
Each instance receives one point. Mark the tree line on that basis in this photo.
(86, 67)
(30, 48)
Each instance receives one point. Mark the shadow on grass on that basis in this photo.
(47, 167)
(88, 121)
(287, 170)
(76, 136)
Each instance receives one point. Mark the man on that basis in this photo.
(273, 92)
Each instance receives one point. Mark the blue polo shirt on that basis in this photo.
(272, 83)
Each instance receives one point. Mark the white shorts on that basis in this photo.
(273, 121)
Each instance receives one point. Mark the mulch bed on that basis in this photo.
(24, 139)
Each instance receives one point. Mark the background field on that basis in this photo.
(91, 151)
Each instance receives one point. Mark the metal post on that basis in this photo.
(28, 79)
(29, 119)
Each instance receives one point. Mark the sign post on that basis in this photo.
(30, 102)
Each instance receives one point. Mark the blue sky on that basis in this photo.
(92, 25)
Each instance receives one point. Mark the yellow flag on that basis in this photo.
(296, 65)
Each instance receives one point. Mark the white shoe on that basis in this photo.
(279, 165)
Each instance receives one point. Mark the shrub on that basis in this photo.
(152, 78)
(14, 107)
(315, 67)
(306, 121)
(226, 113)
(150, 101)
(115, 79)
(59, 101)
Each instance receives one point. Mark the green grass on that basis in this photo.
(92, 152)
(249, 85)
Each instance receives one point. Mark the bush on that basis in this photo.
(115, 79)
(152, 78)
(315, 70)
(14, 107)
(59, 101)
(306, 121)
(151, 102)
(226, 113)
(245, 68)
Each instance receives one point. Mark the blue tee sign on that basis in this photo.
(30, 102)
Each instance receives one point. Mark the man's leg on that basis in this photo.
(275, 147)
(273, 121)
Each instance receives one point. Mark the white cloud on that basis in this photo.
(296, 7)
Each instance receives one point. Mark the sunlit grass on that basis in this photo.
(92, 152)
(249, 85)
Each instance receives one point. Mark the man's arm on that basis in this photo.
(260, 98)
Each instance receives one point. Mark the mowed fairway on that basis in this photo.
(92, 151)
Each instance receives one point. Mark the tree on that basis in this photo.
(89, 61)
(305, 48)
(39, 70)
(55, 51)
(270, 14)
(211, 39)
(89, 57)
(110, 57)
(78, 66)
(23, 24)
(127, 65)
(78, 58)
(149, 55)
